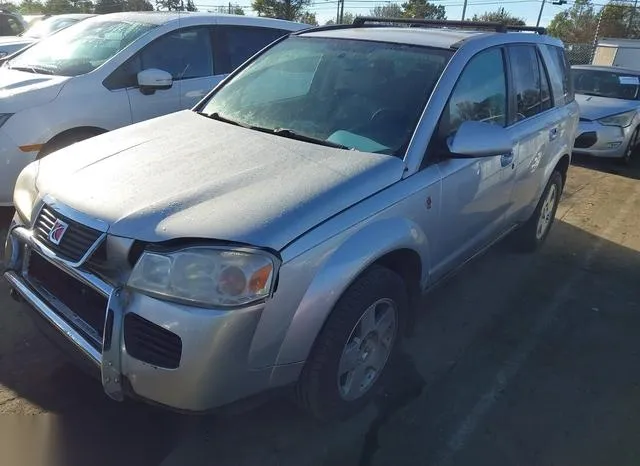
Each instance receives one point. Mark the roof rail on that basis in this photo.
(361, 21)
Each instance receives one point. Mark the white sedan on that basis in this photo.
(113, 70)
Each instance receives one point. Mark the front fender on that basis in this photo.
(341, 267)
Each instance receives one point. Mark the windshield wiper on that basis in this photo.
(216, 116)
(288, 133)
(32, 69)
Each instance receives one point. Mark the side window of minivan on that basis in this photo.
(530, 82)
(185, 53)
(479, 95)
(236, 44)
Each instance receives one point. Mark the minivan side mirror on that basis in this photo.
(153, 79)
(479, 139)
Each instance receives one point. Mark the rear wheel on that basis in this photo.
(350, 356)
(534, 232)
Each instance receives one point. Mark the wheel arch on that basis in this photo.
(397, 244)
(92, 130)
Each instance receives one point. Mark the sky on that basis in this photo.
(326, 9)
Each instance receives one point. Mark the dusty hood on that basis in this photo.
(21, 89)
(184, 175)
(594, 108)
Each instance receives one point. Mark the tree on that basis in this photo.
(575, 25)
(499, 16)
(282, 9)
(391, 10)
(31, 7)
(113, 6)
(8, 6)
(423, 9)
(231, 9)
(309, 18)
(57, 7)
(176, 5)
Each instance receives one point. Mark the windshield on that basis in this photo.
(80, 48)
(606, 84)
(48, 26)
(364, 95)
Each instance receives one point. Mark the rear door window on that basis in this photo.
(530, 84)
(560, 71)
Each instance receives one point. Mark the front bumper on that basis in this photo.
(12, 162)
(599, 140)
(213, 367)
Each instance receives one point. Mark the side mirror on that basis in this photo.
(479, 139)
(153, 79)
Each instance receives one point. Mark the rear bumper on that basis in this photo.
(213, 367)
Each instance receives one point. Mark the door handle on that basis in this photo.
(506, 159)
(553, 133)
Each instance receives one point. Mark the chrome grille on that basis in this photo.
(76, 241)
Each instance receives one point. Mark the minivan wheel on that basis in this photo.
(348, 361)
(534, 232)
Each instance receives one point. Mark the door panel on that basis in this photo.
(475, 191)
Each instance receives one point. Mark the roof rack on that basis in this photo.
(361, 21)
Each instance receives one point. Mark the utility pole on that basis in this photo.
(631, 15)
(540, 14)
(464, 9)
(340, 13)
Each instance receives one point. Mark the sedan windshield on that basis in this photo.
(80, 48)
(357, 94)
(48, 26)
(607, 84)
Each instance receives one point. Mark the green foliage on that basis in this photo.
(113, 6)
(31, 7)
(292, 10)
(423, 9)
(229, 9)
(58, 7)
(499, 16)
(576, 24)
(176, 5)
(309, 18)
(391, 10)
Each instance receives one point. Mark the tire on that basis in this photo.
(326, 389)
(64, 141)
(529, 237)
(631, 147)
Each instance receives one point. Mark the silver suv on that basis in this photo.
(282, 231)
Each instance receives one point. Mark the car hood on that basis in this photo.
(16, 41)
(21, 89)
(186, 176)
(594, 108)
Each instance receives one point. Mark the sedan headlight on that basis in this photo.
(206, 276)
(25, 192)
(622, 119)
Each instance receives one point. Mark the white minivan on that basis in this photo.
(114, 70)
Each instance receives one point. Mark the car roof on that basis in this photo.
(71, 16)
(165, 17)
(438, 37)
(616, 69)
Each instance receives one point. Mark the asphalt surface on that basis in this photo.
(518, 360)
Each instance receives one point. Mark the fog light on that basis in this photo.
(613, 145)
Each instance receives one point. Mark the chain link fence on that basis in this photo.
(579, 54)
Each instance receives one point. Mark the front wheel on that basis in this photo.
(534, 232)
(349, 358)
(631, 147)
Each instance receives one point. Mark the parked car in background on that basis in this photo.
(11, 24)
(113, 70)
(30, 20)
(39, 30)
(279, 231)
(609, 99)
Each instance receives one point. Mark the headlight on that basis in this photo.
(25, 193)
(4, 117)
(206, 276)
(622, 119)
